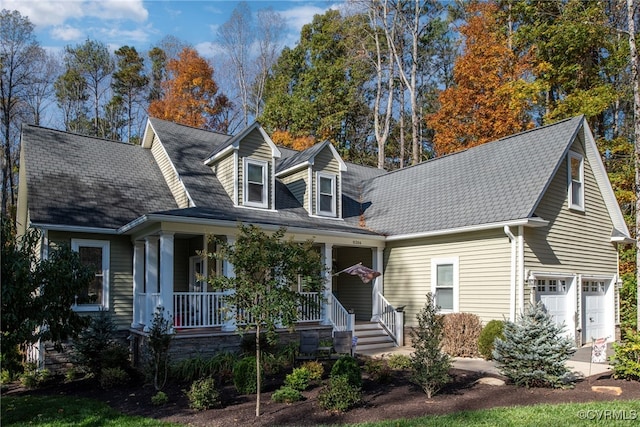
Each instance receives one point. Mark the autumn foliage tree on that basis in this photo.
(485, 102)
(191, 94)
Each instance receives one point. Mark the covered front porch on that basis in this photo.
(170, 270)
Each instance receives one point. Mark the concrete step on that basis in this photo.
(371, 336)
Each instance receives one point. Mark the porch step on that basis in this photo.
(371, 336)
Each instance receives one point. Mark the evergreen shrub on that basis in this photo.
(429, 364)
(490, 332)
(347, 366)
(298, 379)
(339, 394)
(244, 375)
(534, 351)
(286, 394)
(203, 394)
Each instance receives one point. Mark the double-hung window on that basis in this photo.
(326, 194)
(255, 183)
(444, 283)
(95, 254)
(576, 181)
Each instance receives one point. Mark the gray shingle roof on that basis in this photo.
(494, 182)
(82, 181)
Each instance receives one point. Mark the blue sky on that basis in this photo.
(138, 23)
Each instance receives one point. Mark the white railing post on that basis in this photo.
(327, 256)
(377, 288)
(230, 313)
(399, 332)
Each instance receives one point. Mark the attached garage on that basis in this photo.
(597, 298)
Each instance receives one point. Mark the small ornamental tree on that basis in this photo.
(430, 365)
(160, 337)
(534, 350)
(268, 271)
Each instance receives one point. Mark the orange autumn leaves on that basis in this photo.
(191, 94)
(487, 99)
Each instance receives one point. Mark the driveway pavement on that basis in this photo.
(579, 363)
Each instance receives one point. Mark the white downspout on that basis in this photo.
(512, 287)
(521, 266)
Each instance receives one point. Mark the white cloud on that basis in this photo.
(297, 17)
(46, 13)
(66, 33)
(208, 49)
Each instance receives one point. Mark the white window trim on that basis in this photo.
(245, 186)
(104, 244)
(572, 205)
(320, 175)
(455, 261)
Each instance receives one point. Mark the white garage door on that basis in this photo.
(593, 309)
(553, 294)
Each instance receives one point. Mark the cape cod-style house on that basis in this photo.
(530, 217)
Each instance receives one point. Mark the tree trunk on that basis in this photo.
(636, 112)
(258, 382)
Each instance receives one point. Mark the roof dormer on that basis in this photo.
(314, 177)
(245, 166)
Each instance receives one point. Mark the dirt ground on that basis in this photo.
(398, 398)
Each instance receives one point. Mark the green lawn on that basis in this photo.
(56, 411)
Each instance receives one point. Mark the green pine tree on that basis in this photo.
(430, 365)
(534, 350)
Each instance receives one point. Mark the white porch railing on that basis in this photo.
(198, 309)
(391, 319)
(340, 317)
(208, 309)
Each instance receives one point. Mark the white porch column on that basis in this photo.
(138, 284)
(166, 273)
(151, 279)
(377, 289)
(228, 271)
(327, 257)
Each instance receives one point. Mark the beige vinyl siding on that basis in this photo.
(484, 260)
(574, 241)
(351, 292)
(255, 147)
(298, 184)
(225, 173)
(120, 273)
(169, 173)
(325, 162)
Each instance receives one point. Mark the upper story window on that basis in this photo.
(255, 183)
(326, 194)
(576, 181)
(95, 254)
(444, 283)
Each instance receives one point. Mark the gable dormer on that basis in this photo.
(245, 166)
(314, 177)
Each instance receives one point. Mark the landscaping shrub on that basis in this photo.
(203, 394)
(461, 332)
(32, 377)
(298, 379)
(399, 362)
(339, 394)
(347, 366)
(159, 399)
(315, 368)
(97, 347)
(429, 364)
(378, 370)
(160, 336)
(490, 332)
(219, 366)
(113, 377)
(626, 360)
(286, 394)
(534, 351)
(244, 375)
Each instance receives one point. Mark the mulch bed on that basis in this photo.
(398, 398)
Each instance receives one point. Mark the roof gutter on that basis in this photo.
(234, 223)
(525, 222)
(74, 228)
